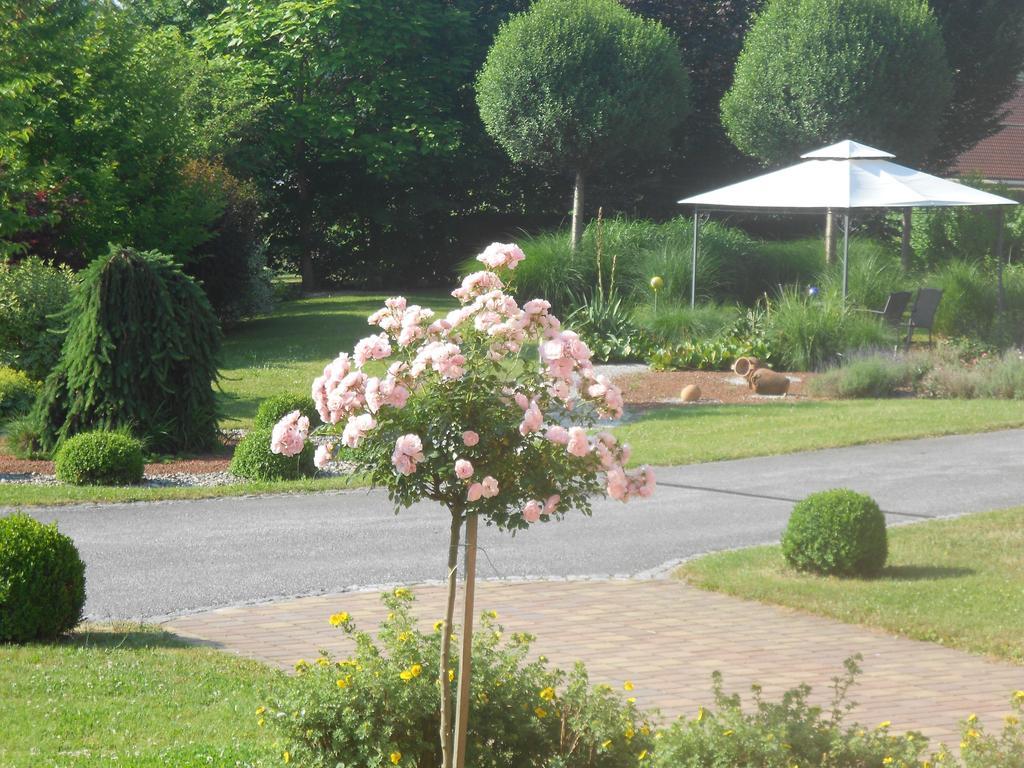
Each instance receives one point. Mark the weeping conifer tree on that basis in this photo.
(141, 352)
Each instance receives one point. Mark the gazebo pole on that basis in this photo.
(846, 252)
(693, 264)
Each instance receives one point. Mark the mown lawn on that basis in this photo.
(689, 435)
(283, 352)
(133, 697)
(956, 582)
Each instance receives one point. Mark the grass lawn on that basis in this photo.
(133, 697)
(956, 582)
(283, 352)
(25, 495)
(689, 435)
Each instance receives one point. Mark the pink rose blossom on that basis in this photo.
(532, 419)
(498, 255)
(557, 434)
(356, 428)
(618, 485)
(532, 511)
(476, 490)
(475, 285)
(289, 435)
(371, 348)
(578, 444)
(552, 503)
(470, 438)
(463, 469)
(408, 452)
(322, 457)
(489, 487)
(445, 358)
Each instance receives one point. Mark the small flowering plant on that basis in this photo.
(486, 410)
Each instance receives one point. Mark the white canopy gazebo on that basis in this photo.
(839, 178)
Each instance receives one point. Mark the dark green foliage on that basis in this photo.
(99, 458)
(969, 300)
(31, 293)
(785, 733)
(42, 581)
(837, 532)
(273, 409)
(985, 48)
(140, 353)
(17, 393)
(813, 72)
(254, 460)
(606, 325)
(569, 84)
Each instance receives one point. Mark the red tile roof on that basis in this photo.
(999, 157)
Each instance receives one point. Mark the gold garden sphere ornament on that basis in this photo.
(656, 285)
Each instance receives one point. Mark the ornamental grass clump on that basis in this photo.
(485, 411)
(42, 581)
(837, 532)
(380, 706)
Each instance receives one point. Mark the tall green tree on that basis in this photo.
(355, 94)
(571, 84)
(710, 35)
(816, 71)
(985, 46)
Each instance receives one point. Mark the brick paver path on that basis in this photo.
(667, 638)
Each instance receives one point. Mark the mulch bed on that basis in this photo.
(655, 388)
(195, 465)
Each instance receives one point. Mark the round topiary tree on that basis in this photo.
(570, 84)
(99, 458)
(813, 72)
(42, 581)
(838, 532)
(140, 353)
(273, 409)
(469, 415)
(254, 460)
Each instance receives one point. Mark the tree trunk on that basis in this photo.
(577, 212)
(906, 251)
(446, 641)
(466, 652)
(830, 238)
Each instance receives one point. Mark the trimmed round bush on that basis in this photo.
(254, 460)
(99, 458)
(17, 393)
(838, 532)
(42, 581)
(273, 409)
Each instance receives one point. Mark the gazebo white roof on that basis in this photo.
(844, 176)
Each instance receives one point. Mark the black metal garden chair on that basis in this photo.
(923, 314)
(895, 307)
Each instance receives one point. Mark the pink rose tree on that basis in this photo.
(488, 410)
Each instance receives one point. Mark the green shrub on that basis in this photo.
(808, 334)
(874, 273)
(141, 352)
(273, 409)
(607, 326)
(31, 294)
(783, 734)
(17, 393)
(1003, 377)
(837, 532)
(254, 460)
(99, 458)
(384, 701)
(42, 581)
(779, 262)
(867, 376)
(980, 748)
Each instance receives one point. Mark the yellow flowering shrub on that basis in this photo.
(379, 708)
